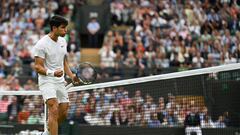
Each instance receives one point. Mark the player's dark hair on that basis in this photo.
(57, 20)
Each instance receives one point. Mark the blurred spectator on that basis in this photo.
(33, 73)
(192, 122)
(74, 102)
(130, 61)
(17, 70)
(198, 61)
(138, 99)
(107, 57)
(116, 119)
(2, 70)
(23, 115)
(154, 122)
(117, 72)
(34, 117)
(13, 109)
(226, 118)
(126, 101)
(207, 122)
(93, 27)
(79, 115)
(109, 38)
(220, 122)
(4, 102)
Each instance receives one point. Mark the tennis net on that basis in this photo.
(154, 101)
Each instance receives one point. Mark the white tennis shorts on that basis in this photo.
(54, 90)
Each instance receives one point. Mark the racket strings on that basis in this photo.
(86, 73)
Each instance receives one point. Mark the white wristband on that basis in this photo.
(50, 73)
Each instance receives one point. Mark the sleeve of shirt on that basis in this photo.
(39, 51)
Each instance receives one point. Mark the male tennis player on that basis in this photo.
(51, 64)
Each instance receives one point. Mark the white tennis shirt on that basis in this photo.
(53, 53)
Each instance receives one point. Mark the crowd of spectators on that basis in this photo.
(159, 34)
(173, 33)
(22, 24)
(116, 107)
(113, 107)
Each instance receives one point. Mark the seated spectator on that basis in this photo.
(226, 118)
(154, 122)
(107, 57)
(2, 69)
(138, 99)
(17, 70)
(175, 62)
(109, 38)
(130, 61)
(104, 119)
(4, 102)
(35, 117)
(192, 122)
(116, 119)
(198, 61)
(79, 115)
(181, 117)
(25, 56)
(92, 119)
(230, 59)
(117, 72)
(171, 118)
(143, 122)
(126, 100)
(13, 109)
(23, 115)
(220, 123)
(207, 122)
(32, 72)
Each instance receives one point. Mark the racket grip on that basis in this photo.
(69, 86)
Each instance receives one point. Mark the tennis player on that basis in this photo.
(51, 65)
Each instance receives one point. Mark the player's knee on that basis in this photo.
(53, 110)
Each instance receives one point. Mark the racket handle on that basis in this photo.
(69, 86)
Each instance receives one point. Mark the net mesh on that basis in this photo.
(214, 95)
(153, 102)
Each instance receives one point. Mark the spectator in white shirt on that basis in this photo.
(107, 57)
(93, 27)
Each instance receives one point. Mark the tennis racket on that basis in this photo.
(86, 74)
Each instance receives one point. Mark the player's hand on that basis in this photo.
(75, 80)
(58, 73)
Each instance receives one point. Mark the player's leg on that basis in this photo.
(49, 94)
(62, 112)
(52, 105)
(63, 100)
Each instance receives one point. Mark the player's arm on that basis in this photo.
(39, 67)
(68, 71)
(67, 68)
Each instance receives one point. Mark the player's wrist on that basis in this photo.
(50, 73)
